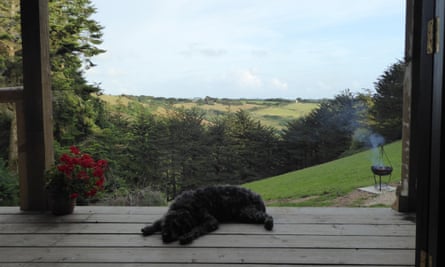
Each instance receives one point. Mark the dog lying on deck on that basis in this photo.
(197, 212)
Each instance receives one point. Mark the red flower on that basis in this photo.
(86, 161)
(66, 159)
(82, 175)
(74, 150)
(100, 182)
(66, 169)
(102, 163)
(75, 161)
(98, 172)
(91, 193)
(78, 174)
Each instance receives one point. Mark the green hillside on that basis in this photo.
(321, 184)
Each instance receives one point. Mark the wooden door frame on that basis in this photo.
(426, 129)
(437, 140)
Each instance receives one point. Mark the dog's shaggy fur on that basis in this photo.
(198, 212)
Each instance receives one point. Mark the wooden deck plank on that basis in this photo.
(109, 236)
(149, 218)
(296, 229)
(212, 240)
(273, 210)
(208, 255)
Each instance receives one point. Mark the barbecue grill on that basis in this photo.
(381, 169)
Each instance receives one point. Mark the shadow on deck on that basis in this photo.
(110, 236)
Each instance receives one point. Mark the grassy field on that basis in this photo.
(115, 100)
(321, 184)
(269, 112)
(277, 116)
(218, 106)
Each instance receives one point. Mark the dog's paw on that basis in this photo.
(186, 239)
(212, 227)
(268, 223)
(147, 230)
(144, 233)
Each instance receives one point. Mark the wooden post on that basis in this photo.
(36, 139)
(406, 192)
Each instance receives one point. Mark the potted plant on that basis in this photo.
(76, 174)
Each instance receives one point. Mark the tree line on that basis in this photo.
(180, 150)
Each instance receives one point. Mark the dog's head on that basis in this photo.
(177, 223)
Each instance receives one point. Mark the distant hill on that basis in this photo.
(270, 112)
(320, 185)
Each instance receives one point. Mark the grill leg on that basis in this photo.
(380, 183)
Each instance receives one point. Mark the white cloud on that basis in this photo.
(277, 84)
(247, 78)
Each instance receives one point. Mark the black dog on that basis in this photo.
(198, 212)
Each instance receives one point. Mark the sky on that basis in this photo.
(246, 48)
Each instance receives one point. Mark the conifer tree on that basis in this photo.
(10, 44)
(74, 39)
(388, 102)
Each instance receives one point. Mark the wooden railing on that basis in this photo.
(11, 94)
(14, 95)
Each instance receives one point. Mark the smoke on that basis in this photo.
(377, 141)
(363, 137)
(366, 138)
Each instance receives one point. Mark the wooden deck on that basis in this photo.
(109, 236)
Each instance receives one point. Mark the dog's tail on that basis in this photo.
(151, 229)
